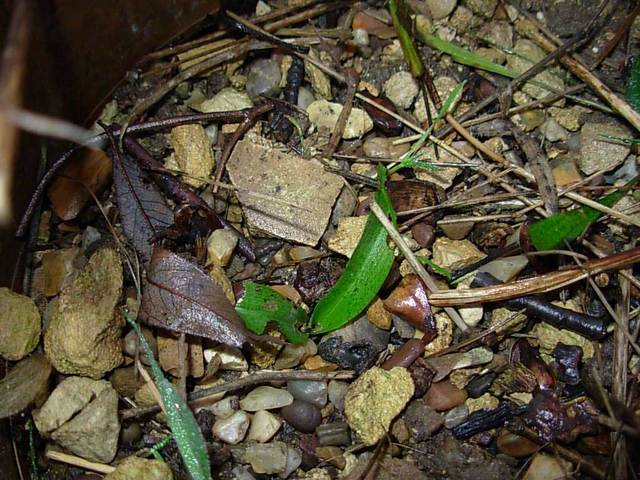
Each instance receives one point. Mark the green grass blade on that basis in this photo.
(632, 93)
(461, 55)
(402, 24)
(363, 275)
(261, 305)
(181, 421)
(552, 232)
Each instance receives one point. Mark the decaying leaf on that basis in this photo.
(143, 210)
(179, 296)
(23, 384)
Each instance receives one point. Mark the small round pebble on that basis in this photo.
(232, 429)
(302, 416)
(309, 391)
(443, 396)
(264, 78)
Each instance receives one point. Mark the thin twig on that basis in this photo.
(413, 261)
(79, 462)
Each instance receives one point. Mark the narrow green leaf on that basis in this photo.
(402, 24)
(552, 232)
(632, 93)
(181, 421)
(461, 55)
(436, 268)
(364, 273)
(261, 305)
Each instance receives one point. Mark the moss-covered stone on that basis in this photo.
(134, 468)
(83, 337)
(19, 325)
(375, 399)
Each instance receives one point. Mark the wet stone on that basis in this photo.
(263, 78)
(567, 360)
(422, 420)
(443, 396)
(309, 391)
(303, 416)
(480, 384)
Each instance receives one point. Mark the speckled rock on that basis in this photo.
(596, 152)
(347, 235)
(264, 426)
(441, 8)
(227, 99)
(135, 468)
(82, 416)
(401, 88)
(526, 54)
(83, 336)
(324, 115)
(192, 153)
(375, 399)
(484, 8)
(19, 325)
(455, 254)
(263, 78)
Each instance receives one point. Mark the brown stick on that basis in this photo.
(539, 284)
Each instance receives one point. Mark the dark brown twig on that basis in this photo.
(338, 130)
(244, 127)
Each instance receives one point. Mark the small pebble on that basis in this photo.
(266, 398)
(130, 434)
(309, 391)
(360, 37)
(225, 408)
(303, 416)
(456, 416)
(480, 384)
(264, 426)
(232, 429)
(423, 233)
(263, 78)
(401, 89)
(130, 344)
(422, 420)
(337, 391)
(269, 458)
(443, 396)
(335, 433)
(514, 445)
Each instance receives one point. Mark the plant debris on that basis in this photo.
(351, 240)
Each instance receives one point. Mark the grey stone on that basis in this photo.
(309, 391)
(441, 8)
(263, 78)
(596, 151)
(93, 432)
(422, 420)
(497, 34)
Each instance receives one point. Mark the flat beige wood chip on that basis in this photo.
(303, 192)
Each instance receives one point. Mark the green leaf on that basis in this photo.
(632, 93)
(461, 55)
(261, 305)
(363, 275)
(402, 24)
(437, 268)
(181, 421)
(552, 232)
